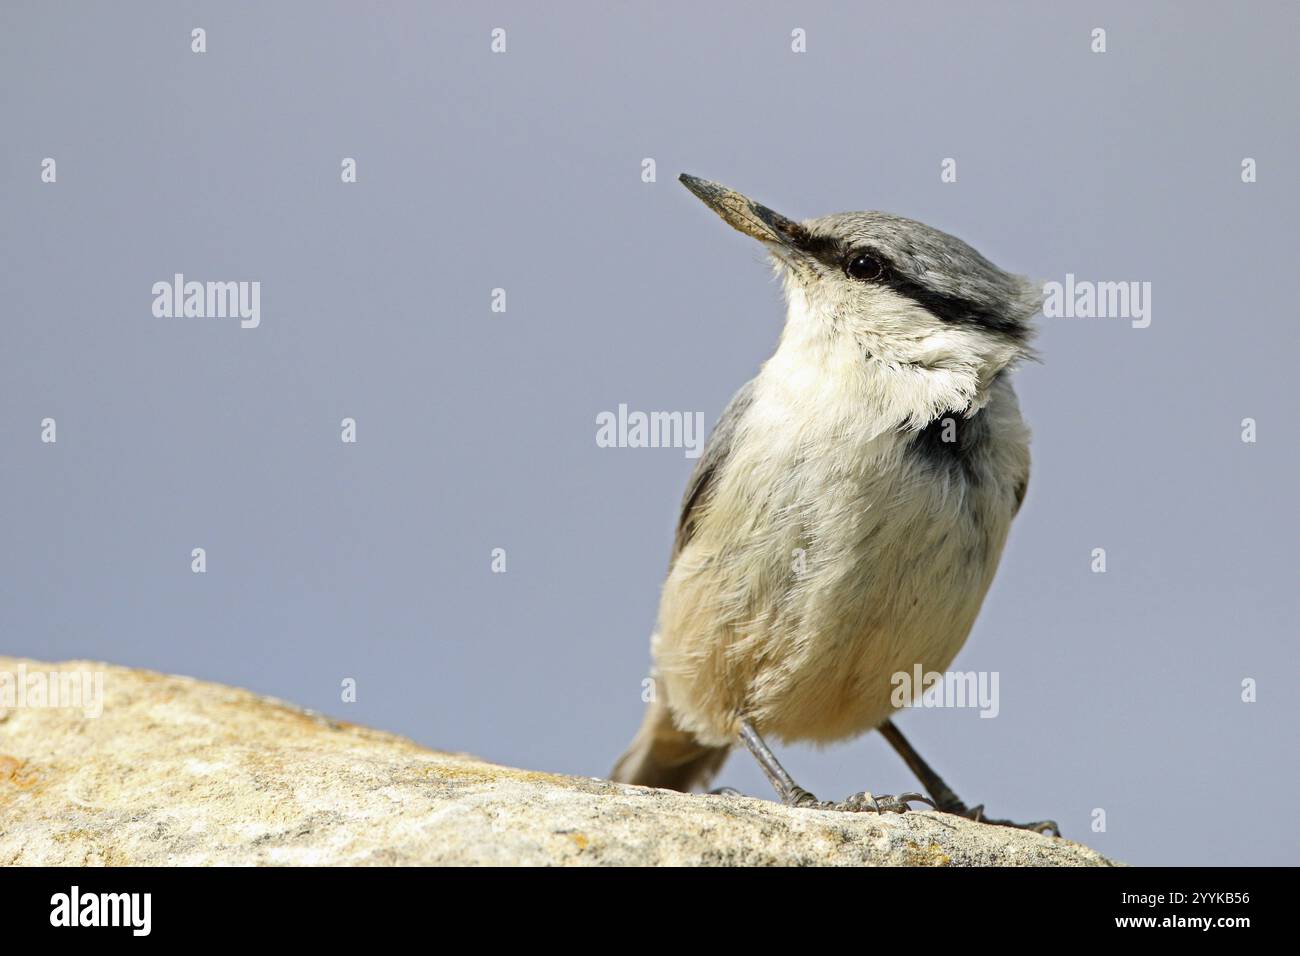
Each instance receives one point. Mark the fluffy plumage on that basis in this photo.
(831, 536)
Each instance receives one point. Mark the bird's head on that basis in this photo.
(904, 294)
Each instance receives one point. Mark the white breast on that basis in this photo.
(830, 557)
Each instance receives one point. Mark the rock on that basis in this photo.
(179, 771)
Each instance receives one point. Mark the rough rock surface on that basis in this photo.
(179, 771)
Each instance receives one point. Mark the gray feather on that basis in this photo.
(716, 451)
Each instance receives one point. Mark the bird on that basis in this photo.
(848, 512)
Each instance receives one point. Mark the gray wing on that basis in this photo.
(716, 452)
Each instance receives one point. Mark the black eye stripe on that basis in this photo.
(949, 308)
(953, 309)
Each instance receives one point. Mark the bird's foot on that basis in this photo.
(977, 814)
(881, 803)
(799, 797)
(864, 802)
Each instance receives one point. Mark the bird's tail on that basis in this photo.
(660, 755)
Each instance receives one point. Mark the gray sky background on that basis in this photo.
(477, 430)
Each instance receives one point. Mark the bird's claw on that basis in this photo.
(884, 803)
(867, 802)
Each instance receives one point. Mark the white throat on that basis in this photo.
(898, 366)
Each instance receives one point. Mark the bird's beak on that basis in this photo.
(742, 213)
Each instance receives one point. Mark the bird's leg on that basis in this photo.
(942, 794)
(793, 795)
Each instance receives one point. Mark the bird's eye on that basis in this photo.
(863, 267)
